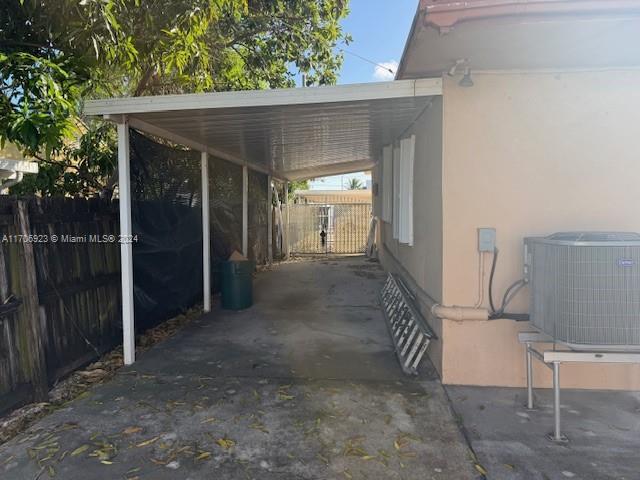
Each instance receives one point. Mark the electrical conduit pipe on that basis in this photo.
(459, 314)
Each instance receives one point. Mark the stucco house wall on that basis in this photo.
(421, 264)
(532, 154)
(527, 154)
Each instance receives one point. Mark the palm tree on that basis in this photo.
(355, 184)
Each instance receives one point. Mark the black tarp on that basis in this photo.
(167, 218)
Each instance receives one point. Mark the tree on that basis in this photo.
(355, 184)
(53, 54)
(297, 185)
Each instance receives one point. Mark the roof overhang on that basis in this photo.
(445, 14)
(289, 133)
(522, 35)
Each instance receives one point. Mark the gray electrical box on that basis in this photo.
(486, 239)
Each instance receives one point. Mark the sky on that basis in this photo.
(379, 29)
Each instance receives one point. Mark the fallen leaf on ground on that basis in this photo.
(80, 450)
(147, 442)
(259, 426)
(225, 443)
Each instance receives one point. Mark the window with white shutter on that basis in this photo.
(407, 154)
(387, 183)
(396, 192)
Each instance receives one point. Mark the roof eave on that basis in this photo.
(444, 15)
(407, 45)
(265, 98)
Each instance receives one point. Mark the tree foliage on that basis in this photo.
(355, 184)
(54, 53)
(297, 185)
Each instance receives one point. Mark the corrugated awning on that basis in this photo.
(290, 133)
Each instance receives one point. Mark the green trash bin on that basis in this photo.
(237, 284)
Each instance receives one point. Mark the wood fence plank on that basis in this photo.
(30, 310)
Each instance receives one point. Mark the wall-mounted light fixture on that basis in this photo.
(466, 80)
(454, 68)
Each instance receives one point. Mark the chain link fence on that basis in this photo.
(339, 228)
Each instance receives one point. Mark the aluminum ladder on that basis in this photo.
(410, 333)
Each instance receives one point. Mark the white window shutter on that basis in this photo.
(387, 183)
(407, 154)
(396, 192)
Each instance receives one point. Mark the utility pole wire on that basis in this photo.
(390, 70)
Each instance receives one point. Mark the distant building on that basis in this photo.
(332, 196)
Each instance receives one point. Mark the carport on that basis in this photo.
(289, 134)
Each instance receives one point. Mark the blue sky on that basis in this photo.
(379, 29)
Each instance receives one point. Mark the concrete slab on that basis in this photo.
(510, 441)
(304, 385)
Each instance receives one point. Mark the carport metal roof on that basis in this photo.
(287, 134)
(290, 134)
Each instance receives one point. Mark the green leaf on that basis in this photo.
(99, 48)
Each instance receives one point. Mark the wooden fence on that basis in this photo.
(59, 291)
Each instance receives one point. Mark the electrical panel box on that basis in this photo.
(486, 239)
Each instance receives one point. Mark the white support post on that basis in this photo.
(529, 363)
(126, 247)
(287, 243)
(206, 234)
(269, 220)
(245, 211)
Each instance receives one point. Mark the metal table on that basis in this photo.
(553, 358)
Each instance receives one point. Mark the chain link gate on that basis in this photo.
(329, 228)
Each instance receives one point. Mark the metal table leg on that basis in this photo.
(557, 434)
(529, 377)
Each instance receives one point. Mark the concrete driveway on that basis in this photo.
(304, 385)
(511, 442)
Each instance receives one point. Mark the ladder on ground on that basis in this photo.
(409, 331)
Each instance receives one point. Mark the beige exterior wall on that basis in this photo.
(529, 154)
(423, 261)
